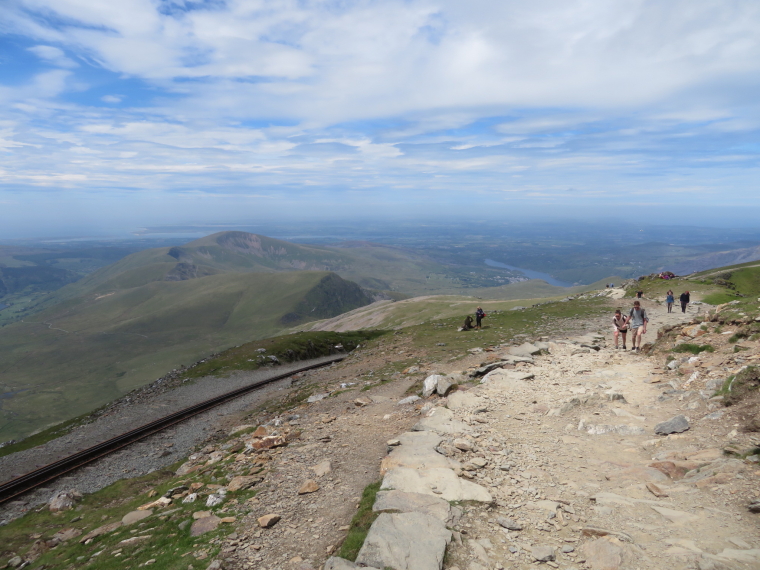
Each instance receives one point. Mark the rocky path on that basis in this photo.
(564, 453)
(557, 462)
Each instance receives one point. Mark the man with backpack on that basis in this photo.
(637, 324)
(479, 314)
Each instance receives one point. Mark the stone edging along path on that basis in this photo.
(421, 481)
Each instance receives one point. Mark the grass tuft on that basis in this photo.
(360, 524)
(738, 387)
(719, 298)
(694, 348)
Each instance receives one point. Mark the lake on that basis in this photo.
(529, 273)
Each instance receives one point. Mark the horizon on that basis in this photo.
(377, 230)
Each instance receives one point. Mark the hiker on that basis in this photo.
(479, 314)
(467, 324)
(619, 327)
(685, 298)
(669, 299)
(637, 324)
(639, 294)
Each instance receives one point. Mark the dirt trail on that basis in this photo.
(568, 456)
(580, 452)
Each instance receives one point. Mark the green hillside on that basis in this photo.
(127, 323)
(88, 350)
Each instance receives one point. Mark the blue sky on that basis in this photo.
(115, 115)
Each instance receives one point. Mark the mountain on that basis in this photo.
(127, 323)
(224, 252)
(716, 259)
(131, 326)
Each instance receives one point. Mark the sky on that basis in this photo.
(117, 115)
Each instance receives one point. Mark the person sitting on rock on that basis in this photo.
(467, 324)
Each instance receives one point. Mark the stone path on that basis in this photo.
(553, 460)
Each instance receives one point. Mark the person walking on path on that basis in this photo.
(637, 323)
(685, 299)
(620, 327)
(670, 299)
(479, 314)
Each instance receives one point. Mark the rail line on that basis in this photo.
(25, 483)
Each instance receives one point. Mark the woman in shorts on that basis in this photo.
(620, 327)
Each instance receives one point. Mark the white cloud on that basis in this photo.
(394, 94)
(53, 55)
(377, 59)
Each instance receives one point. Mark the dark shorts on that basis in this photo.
(622, 331)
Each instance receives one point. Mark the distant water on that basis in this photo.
(8, 395)
(531, 274)
(3, 306)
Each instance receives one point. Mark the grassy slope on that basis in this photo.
(113, 344)
(409, 312)
(714, 287)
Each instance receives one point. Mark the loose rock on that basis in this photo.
(268, 521)
(542, 553)
(309, 486)
(676, 424)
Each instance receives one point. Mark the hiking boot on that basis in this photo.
(624, 348)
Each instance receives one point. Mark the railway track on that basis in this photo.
(25, 483)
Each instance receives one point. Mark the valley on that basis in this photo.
(112, 329)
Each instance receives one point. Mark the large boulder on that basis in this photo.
(405, 541)
(430, 384)
(445, 383)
